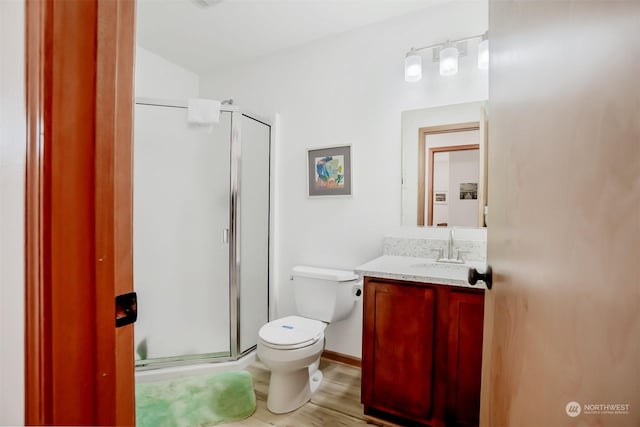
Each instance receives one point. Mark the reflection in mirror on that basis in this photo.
(444, 166)
(453, 189)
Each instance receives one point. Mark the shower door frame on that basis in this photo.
(235, 154)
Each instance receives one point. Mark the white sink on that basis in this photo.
(437, 269)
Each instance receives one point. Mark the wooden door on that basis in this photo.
(79, 367)
(562, 321)
(398, 352)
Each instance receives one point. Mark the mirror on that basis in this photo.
(444, 159)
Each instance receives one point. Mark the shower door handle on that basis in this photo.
(225, 235)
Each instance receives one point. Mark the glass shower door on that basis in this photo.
(181, 222)
(254, 230)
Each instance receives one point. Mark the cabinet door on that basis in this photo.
(466, 313)
(398, 343)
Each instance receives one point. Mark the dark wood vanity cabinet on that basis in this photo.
(422, 352)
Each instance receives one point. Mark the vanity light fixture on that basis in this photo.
(447, 55)
(412, 66)
(449, 60)
(483, 53)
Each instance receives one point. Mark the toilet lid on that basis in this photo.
(291, 332)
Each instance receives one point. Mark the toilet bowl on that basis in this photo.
(288, 347)
(291, 346)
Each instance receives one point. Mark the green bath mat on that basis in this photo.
(195, 401)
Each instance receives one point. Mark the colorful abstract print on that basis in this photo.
(329, 172)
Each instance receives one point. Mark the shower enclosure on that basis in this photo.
(201, 234)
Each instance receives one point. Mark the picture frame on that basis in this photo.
(440, 197)
(469, 191)
(329, 171)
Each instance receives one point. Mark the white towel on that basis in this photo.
(203, 111)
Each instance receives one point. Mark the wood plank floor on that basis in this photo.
(336, 403)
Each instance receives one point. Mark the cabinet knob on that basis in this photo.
(486, 277)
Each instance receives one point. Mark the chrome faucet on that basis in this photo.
(450, 248)
(450, 244)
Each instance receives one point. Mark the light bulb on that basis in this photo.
(448, 61)
(483, 54)
(412, 67)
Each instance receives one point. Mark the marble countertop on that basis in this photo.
(421, 270)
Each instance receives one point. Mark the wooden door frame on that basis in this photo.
(422, 134)
(78, 211)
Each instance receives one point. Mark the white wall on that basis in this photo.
(348, 89)
(12, 172)
(158, 78)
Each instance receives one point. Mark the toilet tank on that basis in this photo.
(323, 294)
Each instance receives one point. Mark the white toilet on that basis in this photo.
(290, 347)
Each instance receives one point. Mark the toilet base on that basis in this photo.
(294, 375)
(315, 379)
(288, 391)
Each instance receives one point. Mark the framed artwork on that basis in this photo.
(469, 191)
(440, 198)
(329, 171)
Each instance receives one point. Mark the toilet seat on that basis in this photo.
(291, 332)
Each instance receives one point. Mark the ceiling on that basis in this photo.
(230, 32)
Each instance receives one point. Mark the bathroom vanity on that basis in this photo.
(422, 342)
